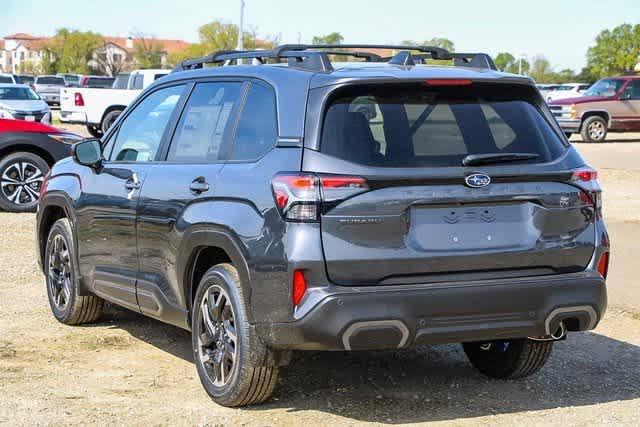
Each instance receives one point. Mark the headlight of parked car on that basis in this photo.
(5, 113)
(569, 112)
(66, 138)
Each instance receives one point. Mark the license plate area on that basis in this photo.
(457, 228)
(30, 118)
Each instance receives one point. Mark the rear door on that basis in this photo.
(426, 217)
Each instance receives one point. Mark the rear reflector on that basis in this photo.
(448, 82)
(299, 287)
(603, 264)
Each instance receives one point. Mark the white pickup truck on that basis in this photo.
(99, 108)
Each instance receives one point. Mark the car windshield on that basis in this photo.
(605, 87)
(18, 93)
(59, 81)
(71, 78)
(6, 79)
(409, 126)
(27, 79)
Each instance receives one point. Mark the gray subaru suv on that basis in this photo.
(285, 201)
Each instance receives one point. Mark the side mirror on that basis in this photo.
(88, 153)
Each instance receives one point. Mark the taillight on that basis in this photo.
(300, 196)
(603, 264)
(78, 100)
(587, 180)
(299, 287)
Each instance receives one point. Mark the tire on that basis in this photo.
(61, 269)
(594, 129)
(251, 375)
(27, 171)
(109, 119)
(95, 131)
(508, 359)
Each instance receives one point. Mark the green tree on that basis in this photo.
(616, 51)
(504, 61)
(147, 51)
(219, 35)
(331, 38)
(435, 41)
(70, 51)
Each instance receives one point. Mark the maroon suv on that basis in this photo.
(610, 105)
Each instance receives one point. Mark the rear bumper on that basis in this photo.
(349, 318)
(73, 117)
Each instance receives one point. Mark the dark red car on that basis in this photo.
(27, 151)
(610, 105)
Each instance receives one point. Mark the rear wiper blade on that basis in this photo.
(483, 159)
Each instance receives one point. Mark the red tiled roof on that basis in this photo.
(168, 45)
(22, 36)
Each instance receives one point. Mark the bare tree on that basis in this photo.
(110, 64)
(147, 51)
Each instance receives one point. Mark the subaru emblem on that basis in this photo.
(477, 180)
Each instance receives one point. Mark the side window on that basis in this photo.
(634, 89)
(257, 131)
(141, 131)
(200, 131)
(138, 81)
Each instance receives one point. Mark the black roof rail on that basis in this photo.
(474, 60)
(315, 57)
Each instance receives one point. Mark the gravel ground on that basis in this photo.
(128, 369)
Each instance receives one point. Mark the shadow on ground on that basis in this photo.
(428, 383)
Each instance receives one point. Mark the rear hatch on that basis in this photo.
(462, 181)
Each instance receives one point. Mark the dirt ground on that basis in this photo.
(131, 370)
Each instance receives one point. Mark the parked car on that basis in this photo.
(98, 109)
(70, 79)
(26, 79)
(610, 105)
(48, 87)
(22, 103)
(546, 88)
(103, 82)
(319, 206)
(567, 90)
(7, 78)
(27, 151)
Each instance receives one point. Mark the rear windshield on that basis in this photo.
(6, 79)
(413, 126)
(99, 82)
(50, 81)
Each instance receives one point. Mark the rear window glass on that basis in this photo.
(50, 81)
(6, 79)
(413, 126)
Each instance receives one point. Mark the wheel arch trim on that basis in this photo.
(212, 236)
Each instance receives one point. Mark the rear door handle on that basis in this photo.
(199, 185)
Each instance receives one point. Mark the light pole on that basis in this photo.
(241, 27)
(522, 56)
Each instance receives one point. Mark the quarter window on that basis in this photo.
(257, 131)
(141, 131)
(200, 133)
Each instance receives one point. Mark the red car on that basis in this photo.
(27, 151)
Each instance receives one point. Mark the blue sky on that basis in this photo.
(560, 30)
